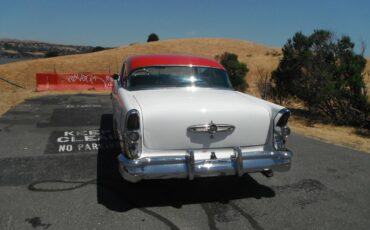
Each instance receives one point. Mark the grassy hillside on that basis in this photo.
(23, 73)
(15, 48)
(255, 55)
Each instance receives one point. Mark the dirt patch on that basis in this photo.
(339, 135)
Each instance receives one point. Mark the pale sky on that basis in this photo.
(119, 22)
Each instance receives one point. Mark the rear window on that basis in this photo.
(177, 76)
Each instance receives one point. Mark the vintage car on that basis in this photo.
(177, 116)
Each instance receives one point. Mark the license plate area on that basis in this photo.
(213, 155)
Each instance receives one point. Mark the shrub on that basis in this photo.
(152, 37)
(326, 74)
(236, 70)
(52, 53)
(263, 83)
(97, 49)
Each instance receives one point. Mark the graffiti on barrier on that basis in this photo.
(73, 81)
(90, 78)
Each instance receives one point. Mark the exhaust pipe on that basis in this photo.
(268, 173)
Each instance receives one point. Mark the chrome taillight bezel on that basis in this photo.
(132, 146)
(281, 131)
(132, 116)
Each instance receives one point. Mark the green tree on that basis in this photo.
(52, 53)
(152, 37)
(7, 46)
(236, 70)
(326, 74)
(97, 49)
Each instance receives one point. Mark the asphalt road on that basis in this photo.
(55, 174)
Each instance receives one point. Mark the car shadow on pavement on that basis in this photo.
(119, 195)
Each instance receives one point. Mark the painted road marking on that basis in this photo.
(77, 141)
(83, 106)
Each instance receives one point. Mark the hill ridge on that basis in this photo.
(255, 55)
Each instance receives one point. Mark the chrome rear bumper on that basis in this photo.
(186, 166)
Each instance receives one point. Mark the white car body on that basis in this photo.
(175, 136)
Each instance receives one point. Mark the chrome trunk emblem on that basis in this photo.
(211, 128)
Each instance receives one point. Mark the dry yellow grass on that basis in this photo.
(254, 55)
(339, 135)
(367, 77)
(23, 73)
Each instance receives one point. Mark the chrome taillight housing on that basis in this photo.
(132, 134)
(281, 129)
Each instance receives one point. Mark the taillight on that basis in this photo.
(281, 129)
(133, 120)
(132, 134)
(283, 120)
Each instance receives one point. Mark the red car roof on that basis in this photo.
(138, 61)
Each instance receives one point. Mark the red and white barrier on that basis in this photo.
(73, 81)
